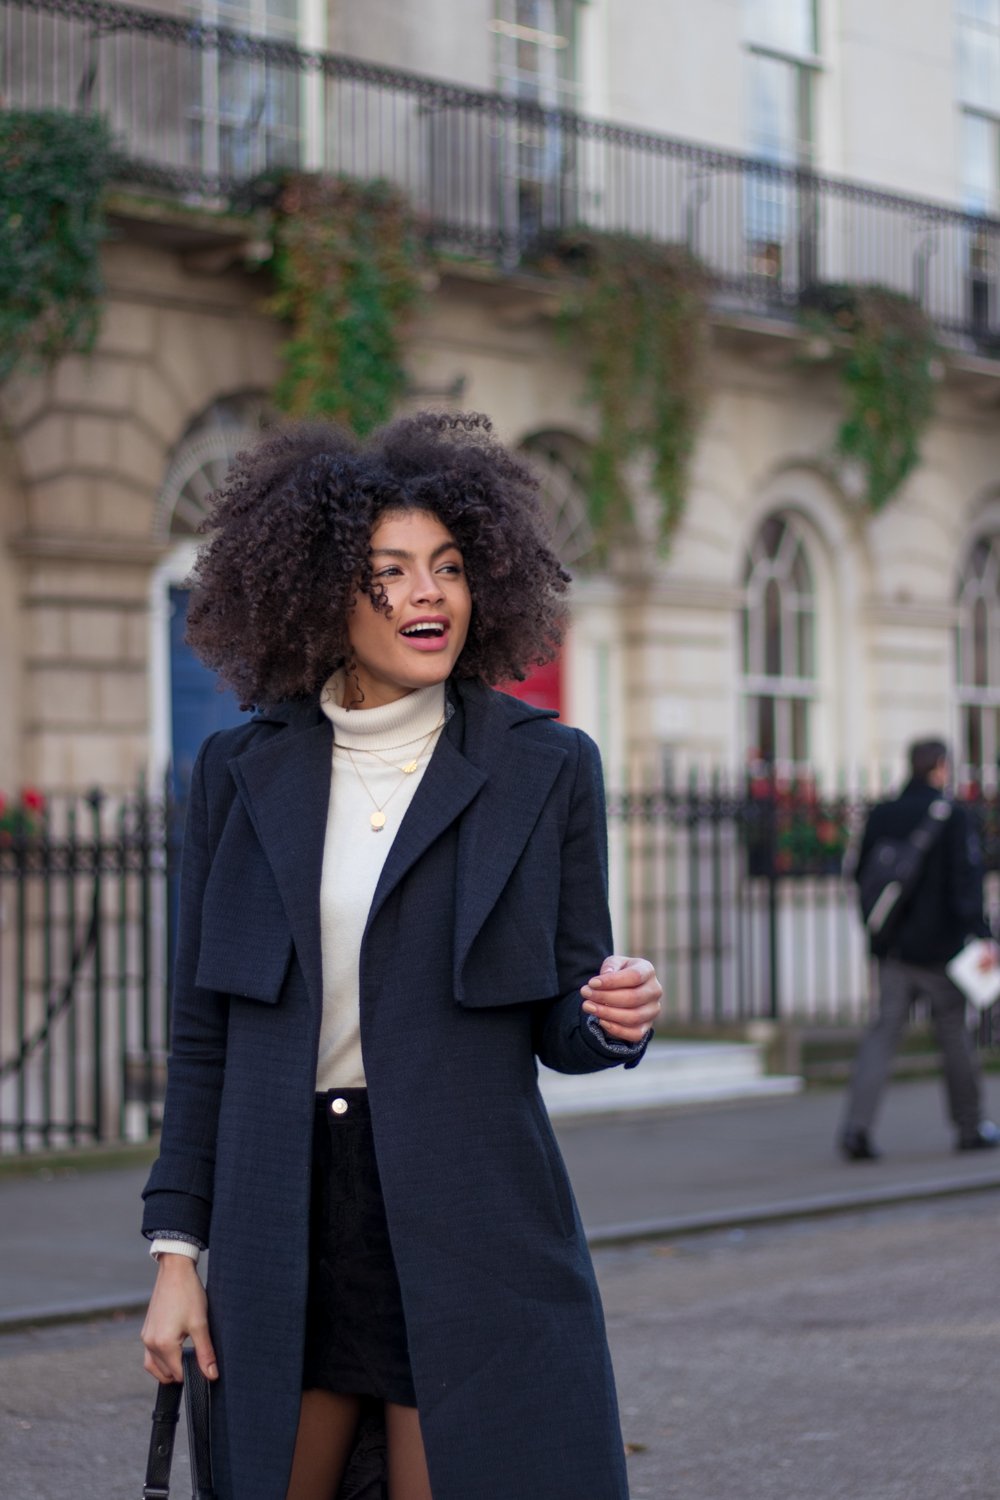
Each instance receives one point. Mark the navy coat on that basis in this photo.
(489, 915)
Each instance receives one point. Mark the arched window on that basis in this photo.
(561, 462)
(778, 645)
(978, 667)
(202, 457)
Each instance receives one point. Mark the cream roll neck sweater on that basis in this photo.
(354, 854)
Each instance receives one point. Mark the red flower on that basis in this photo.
(32, 799)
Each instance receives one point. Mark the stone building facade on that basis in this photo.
(786, 620)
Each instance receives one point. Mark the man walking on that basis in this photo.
(938, 913)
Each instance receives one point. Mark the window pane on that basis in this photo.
(766, 742)
(973, 737)
(799, 747)
(805, 665)
(979, 173)
(979, 66)
(987, 11)
(772, 630)
(772, 534)
(788, 24)
(980, 645)
(774, 124)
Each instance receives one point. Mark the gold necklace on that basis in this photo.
(411, 765)
(377, 818)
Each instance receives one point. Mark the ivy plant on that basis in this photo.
(888, 379)
(54, 168)
(639, 312)
(347, 267)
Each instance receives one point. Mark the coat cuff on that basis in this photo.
(182, 1214)
(629, 1053)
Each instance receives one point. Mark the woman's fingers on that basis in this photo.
(205, 1352)
(626, 997)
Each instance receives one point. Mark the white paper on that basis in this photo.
(980, 986)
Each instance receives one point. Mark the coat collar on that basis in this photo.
(480, 763)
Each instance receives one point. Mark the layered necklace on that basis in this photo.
(377, 818)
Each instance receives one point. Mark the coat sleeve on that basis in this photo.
(178, 1195)
(567, 1038)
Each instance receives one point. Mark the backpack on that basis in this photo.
(892, 871)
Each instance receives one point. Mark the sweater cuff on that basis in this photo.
(172, 1244)
(629, 1053)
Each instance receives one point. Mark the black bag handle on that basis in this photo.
(166, 1413)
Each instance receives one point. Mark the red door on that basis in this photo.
(542, 688)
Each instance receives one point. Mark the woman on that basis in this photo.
(392, 901)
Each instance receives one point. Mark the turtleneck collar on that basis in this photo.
(389, 727)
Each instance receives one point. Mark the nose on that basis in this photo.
(427, 587)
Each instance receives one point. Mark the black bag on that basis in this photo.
(892, 871)
(198, 1402)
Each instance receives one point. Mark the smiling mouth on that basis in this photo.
(424, 632)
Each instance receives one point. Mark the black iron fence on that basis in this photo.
(737, 894)
(85, 911)
(208, 113)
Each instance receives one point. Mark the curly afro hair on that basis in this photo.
(288, 551)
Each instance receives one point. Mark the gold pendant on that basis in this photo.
(377, 820)
(409, 768)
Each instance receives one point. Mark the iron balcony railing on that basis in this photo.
(206, 112)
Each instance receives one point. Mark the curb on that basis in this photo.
(84, 1311)
(604, 1237)
(823, 1206)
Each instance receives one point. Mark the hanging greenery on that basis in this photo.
(888, 378)
(54, 168)
(347, 264)
(639, 312)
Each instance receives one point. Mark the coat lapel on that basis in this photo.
(285, 787)
(499, 781)
(520, 773)
(446, 788)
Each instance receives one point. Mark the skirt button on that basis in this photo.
(339, 1106)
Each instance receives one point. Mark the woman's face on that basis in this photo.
(418, 565)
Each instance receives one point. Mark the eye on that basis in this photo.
(451, 567)
(392, 570)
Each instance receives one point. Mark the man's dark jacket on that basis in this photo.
(946, 909)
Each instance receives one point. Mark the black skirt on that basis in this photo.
(355, 1329)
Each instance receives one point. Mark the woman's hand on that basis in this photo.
(625, 997)
(178, 1309)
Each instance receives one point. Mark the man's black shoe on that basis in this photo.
(855, 1146)
(986, 1138)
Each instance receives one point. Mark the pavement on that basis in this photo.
(70, 1246)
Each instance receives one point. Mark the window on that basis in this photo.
(248, 117)
(978, 666)
(536, 51)
(978, 47)
(536, 62)
(779, 646)
(782, 64)
(562, 465)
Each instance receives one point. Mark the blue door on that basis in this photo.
(197, 706)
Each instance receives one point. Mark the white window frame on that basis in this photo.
(785, 689)
(981, 698)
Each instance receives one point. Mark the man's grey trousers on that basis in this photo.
(900, 985)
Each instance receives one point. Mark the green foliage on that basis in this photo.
(639, 311)
(347, 268)
(888, 380)
(54, 168)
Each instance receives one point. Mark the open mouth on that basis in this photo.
(425, 631)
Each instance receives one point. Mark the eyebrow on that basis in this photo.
(408, 556)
